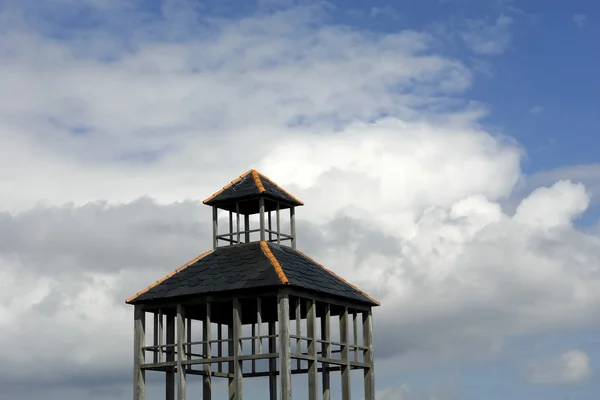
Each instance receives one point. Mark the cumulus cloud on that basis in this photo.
(403, 187)
(579, 19)
(485, 37)
(568, 368)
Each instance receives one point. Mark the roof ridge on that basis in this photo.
(230, 184)
(339, 277)
(280, 188)
(274, 262)
(187, 264)
(257, 181)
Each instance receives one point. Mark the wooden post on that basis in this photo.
(231, 364)
(313, 365)
(155, 341)
(355, 336)
(259, 323)
(160, 335)
(247, 228)
(293, 226)
(181, 378)
(298, 318)
(285, 372)
(344, 339)
(261, 205)
(220, 346)
(270, 225)
(237, 213)
(215, 227)
(231, 227)
(272, 362)
(207, 350)
(237, 350)
(139, 339)
(188, 326)
(170, 375)
(369, 373)
(278, 225)
(326, 350)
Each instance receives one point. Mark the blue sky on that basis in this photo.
(446, 151)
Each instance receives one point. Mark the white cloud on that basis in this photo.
(568, 368)
(387, 11)
(483, 37)
(537, 109)
(579, 19)
(407, 206)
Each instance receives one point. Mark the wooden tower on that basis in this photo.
(241, 298)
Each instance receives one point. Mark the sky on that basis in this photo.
(446, 152)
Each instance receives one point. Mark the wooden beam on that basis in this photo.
(215, 227)
(237, 350)
(261, 205)
(231, 366)
(293, 226)
(311, 327)
(326, 351)
(220, 345)
(207, 350)
(298, 318)
(170, 350)
(181, 378)
(237, 213)
(247, 228)
(139, 339)
(278, 225)
(270, 227)
(272, 362)
(155, 337)
(369, 373)
(160, 334)
(188, 327)
(355, 331)
(231, 226)
(283, 313)
(346, 395)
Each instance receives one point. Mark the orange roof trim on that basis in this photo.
(274, 262)
(257, 182)
(339, 277)
(169, 275)
(233, 182)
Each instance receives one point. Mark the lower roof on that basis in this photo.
(250, 266)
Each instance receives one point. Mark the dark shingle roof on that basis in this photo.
(251, 265)
(252, 184)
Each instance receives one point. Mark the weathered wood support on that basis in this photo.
(207, 350)
(272, 362)
(237, 350)
(139, 339)
(344, 339)
(181, 377)
(293, 226)
(313, 365)
(369, 373)
(298, 321)
(326, 351)
(247, 228)
(170, 374)
(261, 205)
(278, 225)
(285, 375)
(215, 218)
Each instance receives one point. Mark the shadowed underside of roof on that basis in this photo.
(246, 266)
(250, 185)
